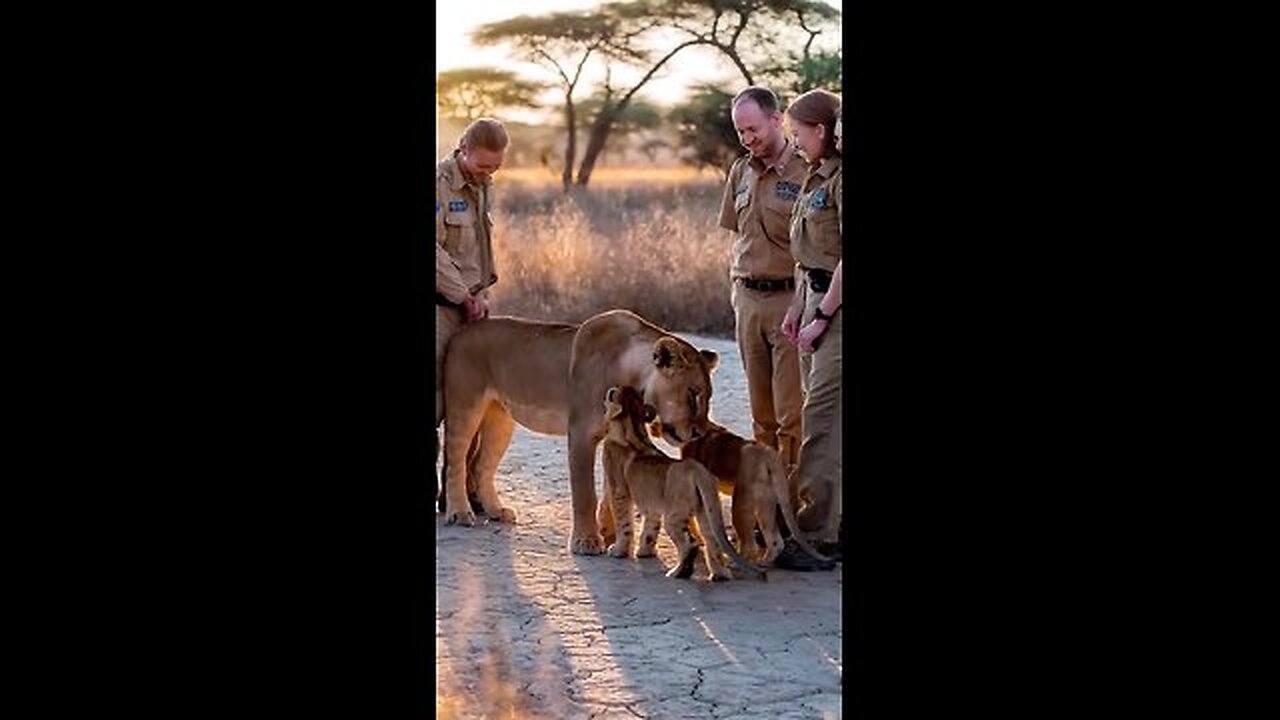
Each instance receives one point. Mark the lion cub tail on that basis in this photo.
(782, 488)
(713, 519)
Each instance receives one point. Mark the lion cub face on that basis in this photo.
(625, 417)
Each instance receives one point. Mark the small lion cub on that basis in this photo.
(666, 491)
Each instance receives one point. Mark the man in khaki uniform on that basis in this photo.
(464, 226)
(758, 198)
(814, 320)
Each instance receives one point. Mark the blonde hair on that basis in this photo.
(484, 133)
(818, 107)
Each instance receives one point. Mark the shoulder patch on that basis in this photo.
(437, 207)
(458, 206)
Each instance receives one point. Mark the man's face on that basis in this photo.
(480, 163)
(759, 131)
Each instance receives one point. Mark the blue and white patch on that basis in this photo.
(437, 207)
(786, 190)
(819, 200)
(458, 206)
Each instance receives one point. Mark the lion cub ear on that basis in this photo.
(711, 358)
(611, 407)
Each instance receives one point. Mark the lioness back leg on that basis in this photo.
(465, 415)
(495, 433)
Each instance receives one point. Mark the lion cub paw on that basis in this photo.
(461, 517)
(646, 551)
(617, 550)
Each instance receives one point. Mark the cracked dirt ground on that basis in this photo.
(526, 630)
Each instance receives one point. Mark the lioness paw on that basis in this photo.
(586, 544)
(617, 550)
(505, 515)
(463, 517)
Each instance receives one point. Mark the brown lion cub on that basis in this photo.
(667, 491)
(754, 475)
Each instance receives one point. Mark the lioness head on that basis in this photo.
(625, 417)
(680, 389)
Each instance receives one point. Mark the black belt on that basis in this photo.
(769, 285)
(819, 280)
(442, 300)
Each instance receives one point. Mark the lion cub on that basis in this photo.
(754, 475)
(667, 491)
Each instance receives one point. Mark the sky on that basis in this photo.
(455, 21)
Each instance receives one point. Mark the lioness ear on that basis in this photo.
(650, 412)
(611, 395)
(664, 352)
(711, 358)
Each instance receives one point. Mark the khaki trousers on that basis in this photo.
(819, 477)
(449, 321)
(772, 366)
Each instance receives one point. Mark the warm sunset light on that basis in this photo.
(623, 186)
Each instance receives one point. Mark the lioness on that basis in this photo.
(669, 492)
(754, 475)
(549, 377)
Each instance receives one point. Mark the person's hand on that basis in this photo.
(791, 323)
(808, 339)
(475, 307)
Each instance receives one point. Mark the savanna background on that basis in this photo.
(621, 138)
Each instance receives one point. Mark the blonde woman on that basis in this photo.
(814, 321)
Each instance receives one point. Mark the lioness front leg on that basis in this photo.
(585, 538)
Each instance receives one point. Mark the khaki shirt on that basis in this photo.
(757, 206)
(817, 225)
(464, 228)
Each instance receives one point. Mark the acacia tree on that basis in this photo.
(564, 42)
(718, 24)
(629, 31)
(469, 93)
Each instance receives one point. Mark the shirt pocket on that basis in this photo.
(460, 235)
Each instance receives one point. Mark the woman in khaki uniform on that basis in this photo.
(814, 321)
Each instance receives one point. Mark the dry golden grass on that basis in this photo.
(629, 176)
(644, 240)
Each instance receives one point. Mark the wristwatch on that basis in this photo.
(819, 315)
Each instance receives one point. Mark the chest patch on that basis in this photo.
(819, 199)
(788, 191)
(458, 206)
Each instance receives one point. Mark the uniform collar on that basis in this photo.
(456, 179)
(788, 153)
(828, 166)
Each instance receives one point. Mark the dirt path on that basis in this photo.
(526, 630)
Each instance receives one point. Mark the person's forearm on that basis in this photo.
(832, 300)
